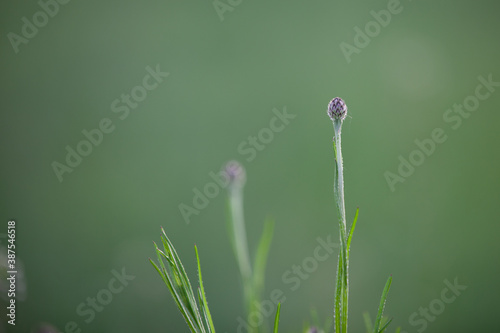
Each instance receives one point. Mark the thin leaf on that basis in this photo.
(376, 328)
(261, 256)
(167, 279)
(345, 279)
(368, 322)
(338, 296)
(187, 289)
(385, 326)
(205, 304)
(352, 231)
(202, 308)
(277, 319)
(178, 265)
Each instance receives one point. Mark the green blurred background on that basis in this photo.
(225, 79)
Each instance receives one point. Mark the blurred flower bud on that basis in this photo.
(235, 172)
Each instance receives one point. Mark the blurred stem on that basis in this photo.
(240, 243)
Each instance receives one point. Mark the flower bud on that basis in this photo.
(235, 172)
(337, 109)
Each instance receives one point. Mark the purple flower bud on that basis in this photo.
(337, 109)
(235, 173)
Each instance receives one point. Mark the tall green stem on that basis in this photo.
(339, 186)
(342, 293)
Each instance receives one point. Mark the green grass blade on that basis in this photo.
(352, 231)
(345, 279)
(186, 313)
(202, 309)
(186, 289)
(338, 295)
(385, 326)
(368, 322)
(277, 319)
(398, 330)
(376, 328)
(202, 291)
(164, 273)
(261, 257)
(178, 264)
(165, 279)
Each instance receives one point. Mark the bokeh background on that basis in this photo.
(225, 78)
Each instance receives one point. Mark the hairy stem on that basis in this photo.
(342, 293)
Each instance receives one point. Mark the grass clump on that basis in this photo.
(194, 307)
